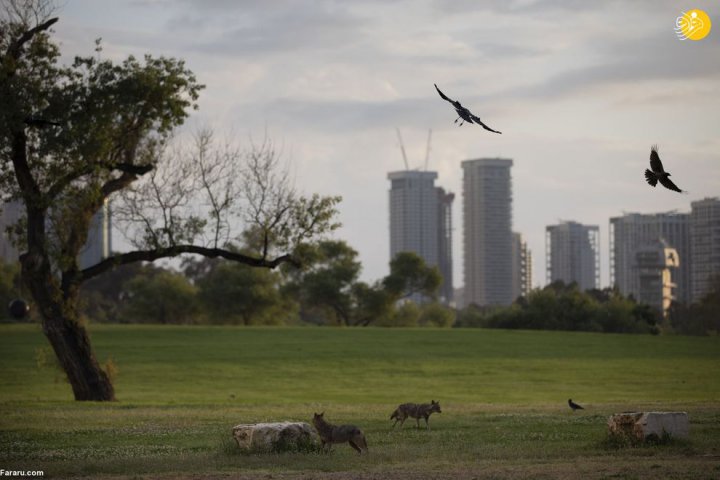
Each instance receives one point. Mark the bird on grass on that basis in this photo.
(574, 405)
(656, 173)
(464, 114)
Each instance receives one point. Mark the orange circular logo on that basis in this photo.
(692, 25)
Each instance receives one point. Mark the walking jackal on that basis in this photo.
(330, 434)
(415, 411)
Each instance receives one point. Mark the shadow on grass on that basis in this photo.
(229, 448)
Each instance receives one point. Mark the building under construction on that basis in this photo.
(421, 220)
(634, 231)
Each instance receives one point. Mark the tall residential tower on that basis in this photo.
(573, 254)
(705, 246)
(421, 222)
(487, 231)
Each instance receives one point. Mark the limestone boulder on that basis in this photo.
(278, 436)
(642, 426)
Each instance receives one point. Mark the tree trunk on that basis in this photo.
(71, 344)
(66, 334)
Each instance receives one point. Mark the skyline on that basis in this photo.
(579, 92)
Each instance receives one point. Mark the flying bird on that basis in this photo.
(656, 173)
(574, 405)
(463, 113)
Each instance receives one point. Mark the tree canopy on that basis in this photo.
(75, 137)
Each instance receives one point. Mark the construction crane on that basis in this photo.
(402, 149)
(427, 151)
(404, 154)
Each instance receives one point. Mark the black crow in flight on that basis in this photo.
(656, 173)
(574, 405)
(463, 113)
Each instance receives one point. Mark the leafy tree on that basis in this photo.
(410, 275)
(326, 285)
(701, 317)
(165, 297)
(406, 315)
(436, 315)
(471, 316)
(73, 137)
(373, 304)
(561, 306)
(236, 293)
(102, 298)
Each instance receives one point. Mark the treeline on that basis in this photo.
(327, 291)
(561, 306)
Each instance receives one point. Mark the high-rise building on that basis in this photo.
(634, 231)
(522, 266)
(487, 231)
(572, 254)
(445, 256)
(421, 222)
(705, 245)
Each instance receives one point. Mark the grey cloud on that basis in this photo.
(349, 116)
(660, 57)
(535, 7)
(271, 27)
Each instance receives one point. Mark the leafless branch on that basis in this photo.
(218, 172)
(212, 194)
(27, 12)
(151, 255)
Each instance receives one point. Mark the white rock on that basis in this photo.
(271, 436)
(643, 425)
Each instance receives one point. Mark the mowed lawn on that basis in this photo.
(504, 394)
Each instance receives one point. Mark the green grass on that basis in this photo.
(503, 393)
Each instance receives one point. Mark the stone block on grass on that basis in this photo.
(275, 437)
(644, 426)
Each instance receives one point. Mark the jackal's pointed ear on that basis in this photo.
(433, 402)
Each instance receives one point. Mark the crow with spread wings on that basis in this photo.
(463, 113)
(656, 173)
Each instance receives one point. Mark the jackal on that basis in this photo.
(330, 434)
(415, 411)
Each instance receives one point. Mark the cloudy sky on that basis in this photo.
(580, 90)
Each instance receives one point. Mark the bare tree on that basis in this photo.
(74, 137)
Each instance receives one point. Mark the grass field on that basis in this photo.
(503, 394)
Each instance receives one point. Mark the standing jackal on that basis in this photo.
(415, 411)
(330, 434)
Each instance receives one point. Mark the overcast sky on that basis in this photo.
(580, 89)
